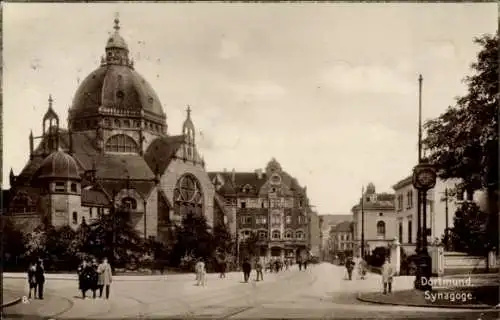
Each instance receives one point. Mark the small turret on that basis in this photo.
(51, 129)
(12, 178)
(31, 144)
(189, 136)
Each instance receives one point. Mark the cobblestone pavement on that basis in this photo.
(319, 292)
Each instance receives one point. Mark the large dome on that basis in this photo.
(58, 165)
(115, 90)
(115, 86)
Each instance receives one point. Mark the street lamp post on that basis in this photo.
(362, 223)
(424, 178)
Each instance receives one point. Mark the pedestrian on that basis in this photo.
(362, 268)
(349, 264)
(40, 278)
(247, 268)
(203, 274)
(94, 282)
(32, 280)
(85, 274)
(387, 276)
(222, 267)
(105, 277)
(305, 264)
(258, 269)
(200, 272)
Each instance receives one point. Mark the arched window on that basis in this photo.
(129, 203)
(75, 217)
(188, 196)
(299, 235)
(121, 143)
(262, 234)
(288, 235)
(381, 228)
(276, 234)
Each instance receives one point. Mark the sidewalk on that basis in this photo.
(481, 294)
(74, 276)
(175, 292)
(11, 297)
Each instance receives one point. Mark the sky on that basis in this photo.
(328, 89)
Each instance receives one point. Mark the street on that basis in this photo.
(319, 292)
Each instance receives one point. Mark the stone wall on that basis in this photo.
(179, 167)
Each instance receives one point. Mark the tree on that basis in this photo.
(113, 236)
(59, 253)
(470, 230)
(12, 242)
(193, 239)
(463, 141)
(223, 239)
(36, 243)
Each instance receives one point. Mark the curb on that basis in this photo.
(437, 306)
(11, 303)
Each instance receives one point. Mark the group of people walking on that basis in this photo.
(360, 265)
(247, 266)
(92, 276)
(95, 277)
(36, 279)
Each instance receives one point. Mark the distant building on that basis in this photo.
(437, 204)
(341, 238)
(329, 221)
(270, 204)
(315, 234)
(379, 220)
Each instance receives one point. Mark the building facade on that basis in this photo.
(269, 203)
(440, 199)
(379, 220)
(341, 239)
(115, 152)
(315, 234)
(329, 221)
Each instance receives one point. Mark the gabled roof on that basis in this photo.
(161, 152)
(403, 183)
(144, 188)
(234, 182)
(94, 196)
(384, 201)
(344, 226)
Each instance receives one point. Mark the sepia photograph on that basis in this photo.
(250, 160)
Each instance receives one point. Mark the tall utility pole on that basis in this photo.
(419, 159)
(424, 179)
(362, 222)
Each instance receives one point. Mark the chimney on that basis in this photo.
(258, 172)
(233, 176)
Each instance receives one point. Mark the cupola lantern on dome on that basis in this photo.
(116, 97)
(117, 48)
